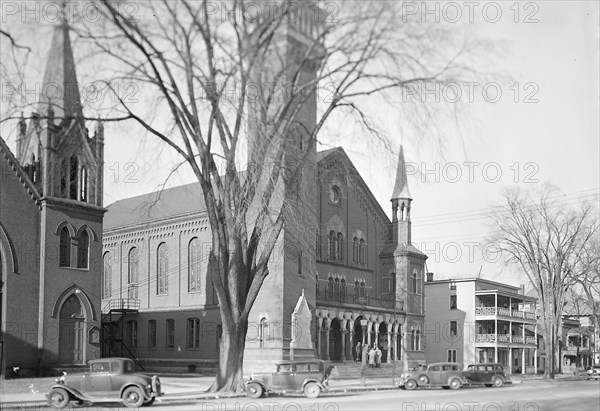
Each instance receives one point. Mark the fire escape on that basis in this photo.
(115, 343)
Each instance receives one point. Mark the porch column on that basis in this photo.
(390, 347)
(352, 348)
(535, 364)
(496, 352)
(523, 361)
(369, 323)
(319, 331)
(344, 332)
(376, 331)
(509, 360)
(326, 330)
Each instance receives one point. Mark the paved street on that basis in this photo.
(528, 396)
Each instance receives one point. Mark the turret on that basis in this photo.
(401, 204)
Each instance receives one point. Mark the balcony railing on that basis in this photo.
(328, 296)
(507, 312)
(504, 338)
(121, 304)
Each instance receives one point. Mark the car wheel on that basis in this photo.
(312, 390)
(133, 397)
(58, 398)
(149, 402)
(410, 385)
(254, 390)
(454, 384)
(498, 382)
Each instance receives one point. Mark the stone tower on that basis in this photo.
(292, 269)
(409, 263)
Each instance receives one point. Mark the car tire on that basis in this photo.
(149, 402)
(254, 390)
(454, 384)
(410, 385)
(498, 382)
(58, 398)
(312, 390)
(133, 397)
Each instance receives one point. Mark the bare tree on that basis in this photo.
(213, 79)
(547, 241)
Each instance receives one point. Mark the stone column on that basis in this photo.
(369, 323)
(319, 342)
(391, 349)
(352, 348)
(344, 332)
(327, 331)
(376, 331)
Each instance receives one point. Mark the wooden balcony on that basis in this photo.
(504, 338)
(506, 312)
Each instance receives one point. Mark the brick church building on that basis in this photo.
(51, 227)
(140, 275)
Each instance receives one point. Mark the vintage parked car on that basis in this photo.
(488, 374)
(109, 380)
(439, 374)
(308, 377)
(593, 372)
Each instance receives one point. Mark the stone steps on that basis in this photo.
(352, 370)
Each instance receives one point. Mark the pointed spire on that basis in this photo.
(59, 86)
(401, 188)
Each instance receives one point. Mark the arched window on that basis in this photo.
(107, 277)
(193, 333)
(336, 289)
(84, 184)
(356, 288)
(363, 290)
(343, 289)
(65, 248)
(73, 180)
(340, 246)
(418, 340)
(194, 259)
(392, 282)
(414, 282)
(263, 331)
(318, 245)
(363, 251)
(162, 269)
(83, 250)
(133, 273)
(330, 287)
(355, 250)
(412, 340)
(332, 245)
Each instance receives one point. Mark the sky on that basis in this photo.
(543, 128)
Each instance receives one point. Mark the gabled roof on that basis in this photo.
(19, 173)
(158, 205)
(322, 156)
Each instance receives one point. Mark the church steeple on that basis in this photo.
(59, 86)
(401, 202)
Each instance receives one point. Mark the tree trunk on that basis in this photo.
(229, 376)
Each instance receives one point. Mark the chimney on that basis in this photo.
(429, 277)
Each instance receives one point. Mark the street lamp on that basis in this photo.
(363, 324)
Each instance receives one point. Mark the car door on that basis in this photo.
(434, 374)
(99, 380)
(283, 378)
(470, 373)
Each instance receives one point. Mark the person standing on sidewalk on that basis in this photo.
(378, 357)
(358, 351)
(372, 356)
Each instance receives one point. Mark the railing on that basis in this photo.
(530, 340)
(121, 304)
(485, 337)
(505, 311)
(503, 337)
(342, 298)
(517, 339)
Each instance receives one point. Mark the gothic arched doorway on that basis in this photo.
(71, 332)
(335, 340)
(383, 342)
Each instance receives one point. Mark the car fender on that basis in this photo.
(320, 384)
(136, 384)
(257, 382)
(72, 391)
(459, 377)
